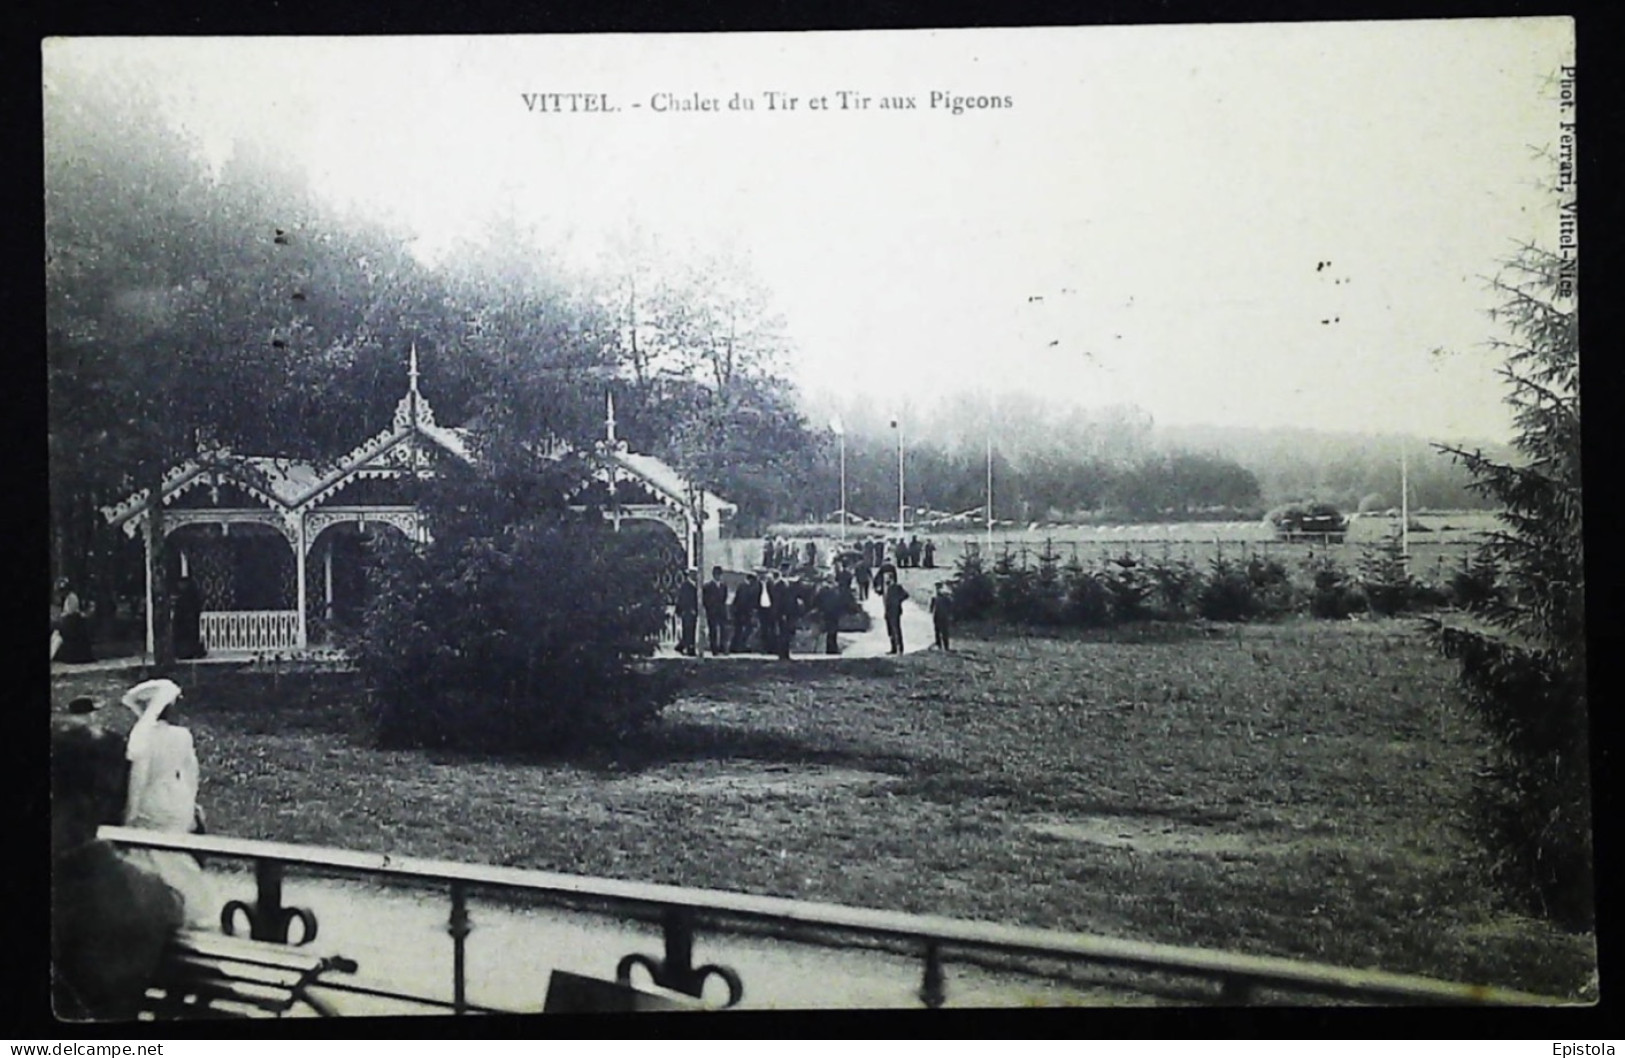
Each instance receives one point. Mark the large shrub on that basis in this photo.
(1525, 674)
(517, 628)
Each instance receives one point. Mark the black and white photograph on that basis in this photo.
(982, 519)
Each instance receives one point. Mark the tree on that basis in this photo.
(701, 352)
(519, 626)
(1525, 672)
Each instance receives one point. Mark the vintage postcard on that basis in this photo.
(809, 521)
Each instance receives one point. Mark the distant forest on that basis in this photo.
(1052, 463)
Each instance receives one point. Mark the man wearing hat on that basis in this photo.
(714, 596)
(162, 793)
(747, 600)
(688, 610)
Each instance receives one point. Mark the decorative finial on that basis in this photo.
(412, 368)
(609, 422)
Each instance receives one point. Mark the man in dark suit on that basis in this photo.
(746, 601)
(688, 611)
(895, 596)
(830, 602)
(787, 608)
(714, 596)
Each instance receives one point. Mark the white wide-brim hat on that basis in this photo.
(154, 695)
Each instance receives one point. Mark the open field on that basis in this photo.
(1449, 538)
(1295, 789)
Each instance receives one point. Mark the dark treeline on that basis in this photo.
(193, 304)
(1045, 487)
(1053, 464)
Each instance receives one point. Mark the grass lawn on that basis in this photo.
(1295, 789)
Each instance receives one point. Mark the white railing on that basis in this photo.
(250, 629)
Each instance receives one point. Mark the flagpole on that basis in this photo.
(1404, 505)
(900, 526)
(843, 489)
(990, 489)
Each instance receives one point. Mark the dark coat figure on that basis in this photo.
(746, 601)
(862, 577)
(767, 553)
(688, 612)
(787, 607)
(942, 616)
(843, 579)
(187, 619)
(110, 919)
(831, 604)
(75, 631)
(895, 596)
(714, 596)
(914, 552)
(810, 554)
(930, 552)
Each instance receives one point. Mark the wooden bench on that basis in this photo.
(211, 975)
(572, 993)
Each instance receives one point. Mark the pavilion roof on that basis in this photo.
(287, 485)
(663, 476)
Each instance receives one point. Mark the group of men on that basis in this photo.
(768, 611)
(778, 553)
(765, 610)
(912, 553)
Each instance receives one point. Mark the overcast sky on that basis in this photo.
(1170, 193)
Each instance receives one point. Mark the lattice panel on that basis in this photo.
(213, 570)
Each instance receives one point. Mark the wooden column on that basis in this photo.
(146, 538)
(299, 576)
(327, 580)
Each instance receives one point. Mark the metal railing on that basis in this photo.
(682, 912)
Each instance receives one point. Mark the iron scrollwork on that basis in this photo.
(268, 919)
(677, 970)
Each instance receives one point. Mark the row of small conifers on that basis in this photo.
(1045, 590)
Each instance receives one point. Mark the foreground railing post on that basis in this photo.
(933, 990)
(268, 919)
(677, 971)
(459, 928)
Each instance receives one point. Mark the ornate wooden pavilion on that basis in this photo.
(275, 546)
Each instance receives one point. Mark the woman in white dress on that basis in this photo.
(163, 795)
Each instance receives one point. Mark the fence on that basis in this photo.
(684, 912)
